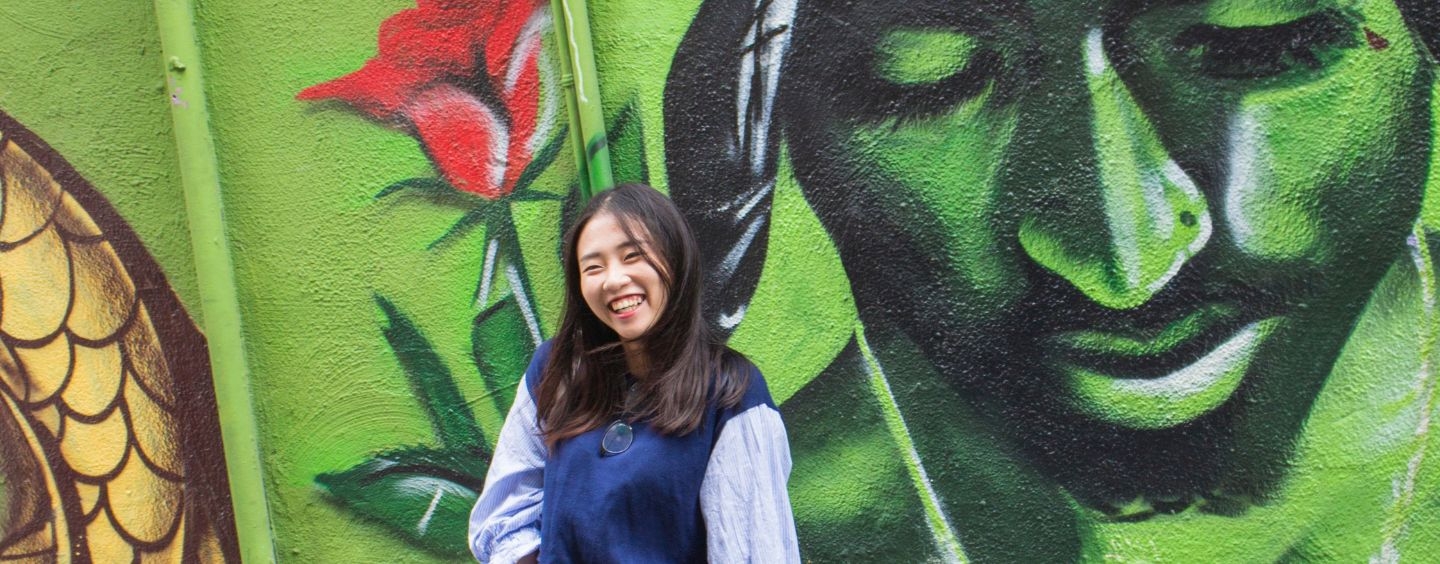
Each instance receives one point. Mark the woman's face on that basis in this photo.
(619, 284)
(1133, 210)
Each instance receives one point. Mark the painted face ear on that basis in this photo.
(1423, 16)
(721, 144)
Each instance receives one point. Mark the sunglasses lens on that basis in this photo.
(617, 439)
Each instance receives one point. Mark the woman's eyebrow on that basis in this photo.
(596, 254)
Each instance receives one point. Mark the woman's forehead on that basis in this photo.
(607, 230)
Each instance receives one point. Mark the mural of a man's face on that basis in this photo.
(1122, 224)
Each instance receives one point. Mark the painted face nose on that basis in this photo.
(1114, 216)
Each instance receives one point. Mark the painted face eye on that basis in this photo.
(922, 72)
(1306, 44)
(913, 57)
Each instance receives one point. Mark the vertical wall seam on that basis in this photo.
(219, 303)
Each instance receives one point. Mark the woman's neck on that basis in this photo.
(636, 360)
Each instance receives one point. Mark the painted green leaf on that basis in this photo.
(627, 147)
(434, 387)
(543, 159)
(502, 349)
(423, 495)
(483, 214)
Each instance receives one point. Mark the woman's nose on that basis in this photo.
(615, 278)
(1115, 216)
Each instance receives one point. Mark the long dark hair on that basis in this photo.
(689, 371)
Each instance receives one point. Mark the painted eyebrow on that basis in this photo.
(1320, 6)
(1320, 24)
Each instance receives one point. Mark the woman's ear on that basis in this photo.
(1423, 17)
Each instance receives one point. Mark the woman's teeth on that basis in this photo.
(626, 304)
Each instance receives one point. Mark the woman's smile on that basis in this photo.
(625, 306)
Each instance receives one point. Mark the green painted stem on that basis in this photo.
(582, 93)
(220, 307)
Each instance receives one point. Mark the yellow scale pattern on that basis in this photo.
(83, 376)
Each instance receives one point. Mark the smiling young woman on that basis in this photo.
(636, 436)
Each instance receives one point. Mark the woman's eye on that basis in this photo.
(633, 255)
(1266, 51)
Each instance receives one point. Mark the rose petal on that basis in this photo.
(441, 41)
(505, 36)
(378, 88)
(466, 138)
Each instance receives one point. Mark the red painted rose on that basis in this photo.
(464, 77)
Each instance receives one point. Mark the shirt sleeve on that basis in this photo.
(505, 524)
(743, 496)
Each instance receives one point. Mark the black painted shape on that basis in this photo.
(1424, 18)
(724, 194)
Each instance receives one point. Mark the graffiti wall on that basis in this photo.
(109, 444)
(1030, 280)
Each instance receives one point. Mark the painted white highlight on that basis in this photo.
(1246, 145)
(754, 200)
(1152, 190)
(549, 113)
(529, 44)
(765, 59)
(1124, 232)
(1095, 62)
(1180, 179)
(941, 530)
(530, 40)
(731, 261)
(1233, 354)
(1403, 487)
(742, 91)
(424, 523)
(778, 13)
(487, 273)
(731, 320)
(499, 146)
(518, 287)
(1181, 257)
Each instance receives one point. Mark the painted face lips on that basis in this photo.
(1160, 377)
